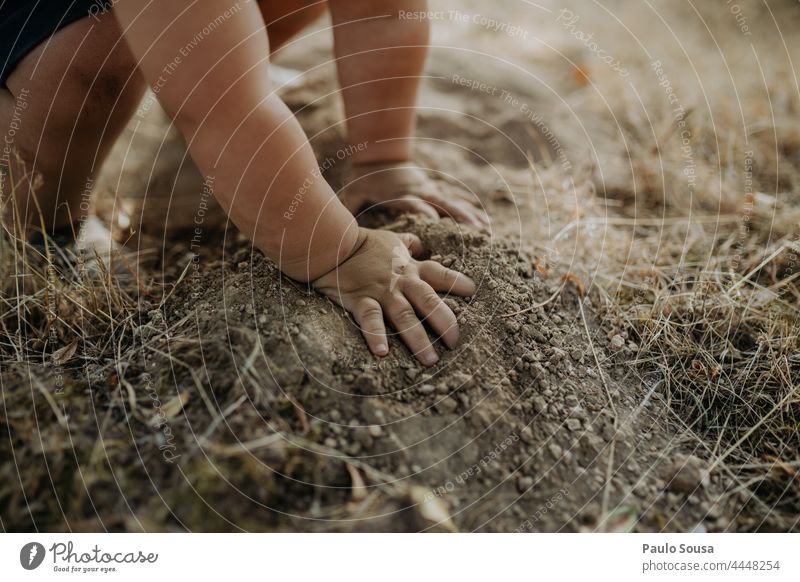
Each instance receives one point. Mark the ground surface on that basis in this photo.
(630, 360)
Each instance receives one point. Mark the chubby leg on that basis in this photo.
(150, 199)
(284, 19)
(67, 102)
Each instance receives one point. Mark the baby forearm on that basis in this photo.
(380, 59)
(266, 177)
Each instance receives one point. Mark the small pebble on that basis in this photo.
(527, 435)
(539, 404)
(617, 342)
(524, 483)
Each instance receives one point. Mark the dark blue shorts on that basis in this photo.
(24, 24)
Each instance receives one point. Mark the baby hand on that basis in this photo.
(381, 277)
(404, 187)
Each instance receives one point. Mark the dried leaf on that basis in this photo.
(358, 488)
(302, 418)
(63, 355)
(576, 281)
(431, 508)
(781, 466)
(171, 408)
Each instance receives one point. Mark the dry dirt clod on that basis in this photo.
(446, 405)
(526, 434)
(367, 385)
(685, 474)
(539, 404)
(461, 381)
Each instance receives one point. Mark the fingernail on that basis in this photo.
(381, 349)
(453, 342)
(430, 359)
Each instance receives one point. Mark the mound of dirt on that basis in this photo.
(528, 424)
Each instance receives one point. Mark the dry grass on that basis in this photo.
(700, 259)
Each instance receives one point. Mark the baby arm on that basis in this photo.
(380, 56)
(217, 90)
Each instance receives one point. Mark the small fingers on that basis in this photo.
(463, 212)
(412, 242)
(369, 317)
(451, 190)
(414, 205)
(451, 201)
(405, 321)
(465, 202)
(434, 311)
(446, 280)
